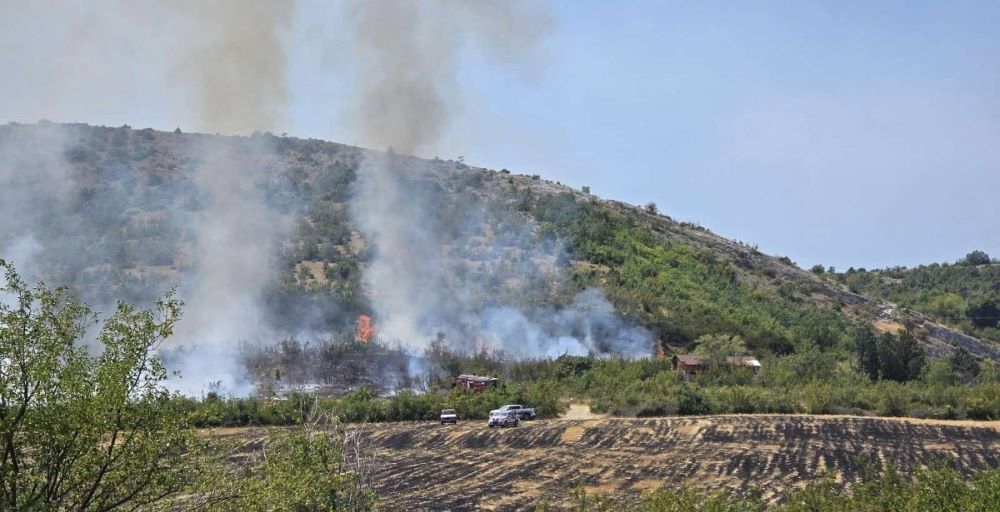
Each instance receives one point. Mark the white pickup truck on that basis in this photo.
(500, 418)
(520, 411)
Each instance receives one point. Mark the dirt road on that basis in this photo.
(425, 466)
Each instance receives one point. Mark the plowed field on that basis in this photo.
(425, 466)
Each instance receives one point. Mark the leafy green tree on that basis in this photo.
(80, 431)
(976, 257)
(986, 311)
(866, 348)
(913, 353)
(691, 401)
(304, 469)
(947, 306)
(720, 345)
(965, 365)
(901, 358)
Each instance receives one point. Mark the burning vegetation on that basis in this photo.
(364, 329)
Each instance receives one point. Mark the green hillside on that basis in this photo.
(964, 295)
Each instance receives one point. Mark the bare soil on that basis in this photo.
(426, 466)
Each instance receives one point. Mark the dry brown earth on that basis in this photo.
(425, 466)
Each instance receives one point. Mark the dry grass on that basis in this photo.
(887, 326)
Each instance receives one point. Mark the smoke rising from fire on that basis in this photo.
(237, 76)
(227, 60)
(409, 54)
(235, 71)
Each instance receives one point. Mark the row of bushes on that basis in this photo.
(363, 405)
(813, 381)
(981, 402)
(660, 396)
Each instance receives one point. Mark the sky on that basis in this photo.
(846, 133)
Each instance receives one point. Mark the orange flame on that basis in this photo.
(365, 329)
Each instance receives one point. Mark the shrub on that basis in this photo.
(983, 402)
(976, 257)
(892, 404)
(691, 400)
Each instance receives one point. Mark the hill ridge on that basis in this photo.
(133, 191)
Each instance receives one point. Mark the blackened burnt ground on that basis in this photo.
(425, 466)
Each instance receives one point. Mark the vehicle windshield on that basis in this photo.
(448, 411)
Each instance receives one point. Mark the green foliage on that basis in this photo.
(960, 295)
(691, 400)
(302, 470)
(965, 365)
(901, 357)
(719, 346)
(949, 307)
(79, 431)
(363, 405)
(894, 357)
(976, 257)
(985, 312)
(679, 291)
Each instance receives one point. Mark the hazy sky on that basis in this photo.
(844, 133)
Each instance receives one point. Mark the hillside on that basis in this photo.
(964, 295)
(129, 213)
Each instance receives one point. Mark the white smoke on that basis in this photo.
(408, 53)
(589, 326)
(235, 72)
(235, 239)
(226, 59)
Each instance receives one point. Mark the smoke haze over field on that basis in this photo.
(22, 192)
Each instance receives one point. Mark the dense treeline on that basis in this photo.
(363, 405)
(936, 489)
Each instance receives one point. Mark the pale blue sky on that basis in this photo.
(844, 133)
